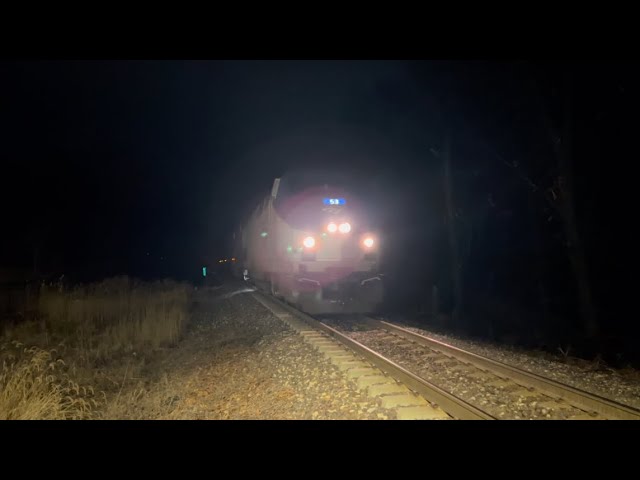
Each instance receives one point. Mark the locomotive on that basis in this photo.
(311, 244)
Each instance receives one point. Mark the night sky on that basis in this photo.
(146, 167)
(109, 161)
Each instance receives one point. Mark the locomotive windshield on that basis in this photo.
(308, 199)
(299, 182)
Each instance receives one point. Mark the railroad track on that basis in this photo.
(373, 357)
(559, 400)
(413, 396)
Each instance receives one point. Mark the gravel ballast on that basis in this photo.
(501, 400)
(622, 386)
(238, 361)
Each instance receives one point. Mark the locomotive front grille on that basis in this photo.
(337, 249)
(329, 249)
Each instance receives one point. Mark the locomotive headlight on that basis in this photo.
(309, 242)
(368, 242)
(332, 228)
(345, 228)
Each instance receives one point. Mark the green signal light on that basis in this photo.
(263, 234)
(289, 249)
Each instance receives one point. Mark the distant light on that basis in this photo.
(309, 242)
(220, 261)
(345, 228)
(289, 249)
(263, 234)
(204, 271)
(233, 259)
(332, 227)
(368, 242)
(323, 234)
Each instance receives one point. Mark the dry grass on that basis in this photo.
(34, 385)
(97, 329)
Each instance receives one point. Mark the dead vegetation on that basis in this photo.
(72, 359)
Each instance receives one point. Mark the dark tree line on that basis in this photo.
(507, 215)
